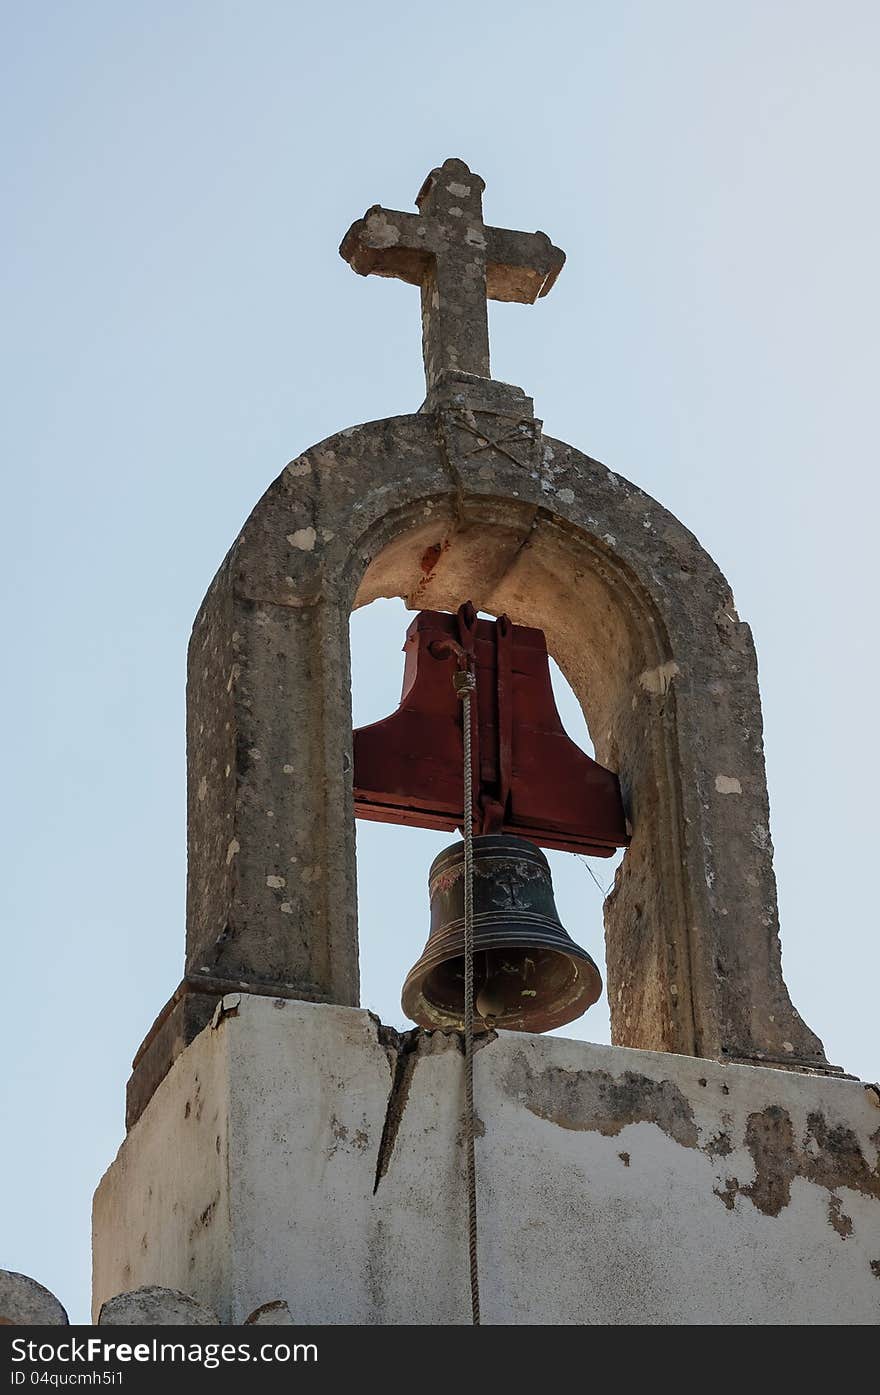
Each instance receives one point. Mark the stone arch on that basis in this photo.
(641, 622)
(611, 643)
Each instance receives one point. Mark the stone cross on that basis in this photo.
(458, 262)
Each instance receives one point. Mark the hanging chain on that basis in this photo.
(465, 686)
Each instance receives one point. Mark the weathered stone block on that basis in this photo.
(25, 1303)
(154, 1306)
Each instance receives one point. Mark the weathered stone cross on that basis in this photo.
(458, 262)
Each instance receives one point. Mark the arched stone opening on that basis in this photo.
(393, 860)
(605, 634)
(642, 624)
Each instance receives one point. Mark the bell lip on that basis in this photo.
(437, 1020)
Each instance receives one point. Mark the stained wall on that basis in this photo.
(301, 1152)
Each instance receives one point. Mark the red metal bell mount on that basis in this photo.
(529, 777)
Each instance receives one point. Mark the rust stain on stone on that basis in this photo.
(599, 1102)
(205, 1219)
(838, 1218)
(728, 1193)
(834, 1158)
(770, 1140)
(830, 1156)
(430, 557)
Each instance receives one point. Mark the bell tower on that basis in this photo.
(282, 1145)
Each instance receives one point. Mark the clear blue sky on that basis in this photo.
(178, 325)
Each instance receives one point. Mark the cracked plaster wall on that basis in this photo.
(301, 1151)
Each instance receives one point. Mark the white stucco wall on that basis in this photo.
(615, 1186)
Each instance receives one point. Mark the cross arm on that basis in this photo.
(387, 243)
(520, 266)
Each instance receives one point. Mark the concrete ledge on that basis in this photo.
(187, 1012)
(299, 1152)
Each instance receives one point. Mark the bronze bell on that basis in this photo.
(529, 975)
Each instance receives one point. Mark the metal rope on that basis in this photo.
(465, 685)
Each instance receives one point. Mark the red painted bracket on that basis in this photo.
(529, 777)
